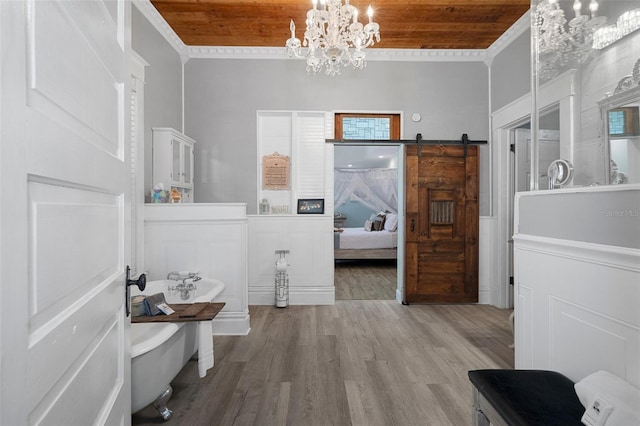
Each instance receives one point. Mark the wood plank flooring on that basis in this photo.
(365, 279)
(353, 363)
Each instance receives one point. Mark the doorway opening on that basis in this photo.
(366, 207)
(365, 255)
(520, 165)
(558, 95)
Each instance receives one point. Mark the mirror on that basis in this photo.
(560, 173)
(620, 112)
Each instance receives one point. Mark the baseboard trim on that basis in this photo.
(485, 296)
(231, 324)
(265, 295)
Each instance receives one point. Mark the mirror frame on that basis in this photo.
(626, 91)
(560, 173)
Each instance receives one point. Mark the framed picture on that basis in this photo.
(311, 206)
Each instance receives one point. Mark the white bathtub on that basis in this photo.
(160, 350)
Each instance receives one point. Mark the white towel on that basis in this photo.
(205, 347)
(620, 394)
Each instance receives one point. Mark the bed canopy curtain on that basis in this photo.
(375, 188)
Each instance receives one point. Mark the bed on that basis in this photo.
(357, 243)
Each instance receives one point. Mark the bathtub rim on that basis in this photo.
(155, 334)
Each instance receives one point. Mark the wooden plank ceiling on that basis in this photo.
(404, 24)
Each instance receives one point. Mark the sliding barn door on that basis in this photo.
(441, 249)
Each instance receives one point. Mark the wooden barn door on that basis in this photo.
(441, 251)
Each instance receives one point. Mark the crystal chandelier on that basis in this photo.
(627, 23)
(559, 46)
(334, 37)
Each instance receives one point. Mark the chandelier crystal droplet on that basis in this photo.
(334, 37)
(562, 43)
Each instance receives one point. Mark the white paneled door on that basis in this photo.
(64, 204)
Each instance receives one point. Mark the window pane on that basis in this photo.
(366, 128)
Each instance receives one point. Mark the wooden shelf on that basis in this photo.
(185, 312)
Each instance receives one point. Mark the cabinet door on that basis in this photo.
(187, 164)
(176, 169)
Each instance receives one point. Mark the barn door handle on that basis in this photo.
(141, 283)
(413, 225)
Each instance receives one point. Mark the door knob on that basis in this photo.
(141, 283)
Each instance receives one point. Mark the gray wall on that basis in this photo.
(511, 72)
(603, 217)
(223, 95)
(163, 88)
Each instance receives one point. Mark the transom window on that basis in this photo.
(367, 126)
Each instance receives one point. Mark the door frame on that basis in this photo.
(562, 90)
(401, 183)
(401, 211)
(138, 74)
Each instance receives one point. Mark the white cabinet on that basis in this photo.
(173, 161)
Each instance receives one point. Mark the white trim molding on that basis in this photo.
(623, 258)
(407, 55)
(516, 30)
(151, 13)
(231, 324)
(319, 295)
(561, 90)
(488, 285)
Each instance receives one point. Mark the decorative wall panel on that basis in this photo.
(310, 244)
(207, 238)
(576, 302)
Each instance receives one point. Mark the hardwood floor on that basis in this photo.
(365, 279)
(353, 363)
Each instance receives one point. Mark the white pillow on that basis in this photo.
(622, 395)
(391, 223)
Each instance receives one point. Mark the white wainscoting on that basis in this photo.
(577, 305)
(309, 239)
(311, 258)
(488, 286)
(210, 239)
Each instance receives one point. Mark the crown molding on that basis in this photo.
(237, 52)
(416, 55)
(516, 30)
(375, 54)
(426, 55)
(151, 13)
